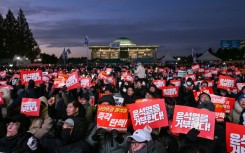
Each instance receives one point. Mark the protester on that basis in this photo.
(142, 142)
(238, 108)
(17, 138)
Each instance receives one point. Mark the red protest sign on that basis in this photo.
(46, 78)
(195, 67)
(239, 86)
(146, 100)
(201, 70)
(30, 106)
(170, 91)
(3, 83)
(210, 83)
(85, 82)
(227, 102)
(108, 70)
(192, 76)
(152, 113)
(159, 83)
(111, 80)
(72, 81)
(214, 71)
(235, 138)
(127, 77)
(8, 87)
(59, 82)
(1, 99)
(102, 75)
(2, 74)
(175, 82)
(112, 117)
(208, 90)
(207, 74)
(186, 118)
(31, 75)
(226, 82)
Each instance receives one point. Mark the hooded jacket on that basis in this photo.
(43, 123)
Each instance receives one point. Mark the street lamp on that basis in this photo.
(178, 59)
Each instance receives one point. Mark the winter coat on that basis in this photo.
(16, 144)
(235, 113)
(129, 99)
(140, 72)
(107, 144)
(42, 124)
(151, 147)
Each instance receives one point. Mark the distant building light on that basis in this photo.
(10, 65)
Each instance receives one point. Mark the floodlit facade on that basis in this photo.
(124, 49)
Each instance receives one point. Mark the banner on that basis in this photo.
(2, 74)
(46, 78)
(152, 113)
(102, 75)
(227, 102)
(201, 70)
(226, 82)
(192, 76)
(175, 82)
(207, 75)
(195, 67)
(108, 71)
(72, 82)
(3, 82)
(239, 86)
(59, 82)
(31, 75)
(159, 83)
(181, 73)
(186, 118)
(170, 91)
(30, 106)
(235, 138)
(208, 90)
(1, 99)
(112, 117)
(85, 82)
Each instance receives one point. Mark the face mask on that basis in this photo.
(188, 83)
(143, 83)
(65, 135)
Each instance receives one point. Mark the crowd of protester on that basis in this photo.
(67, 119)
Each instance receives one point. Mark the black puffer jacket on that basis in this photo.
(16, 144)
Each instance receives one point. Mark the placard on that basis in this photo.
(31, 75)
(30, 106)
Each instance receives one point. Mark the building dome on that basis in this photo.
(124, 41)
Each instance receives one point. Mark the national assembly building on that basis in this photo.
(125, 50)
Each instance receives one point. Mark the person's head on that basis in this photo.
(83, 98)
(138, 84)
(73, 108)
(204, 84)
(130, 91)
(208, 105)
(241, 100)
(204, 97)
(189, 82)
(107, 100)
(223, 92)
(243, 90)
(170, 104)
(17, 125)
(67, 129)
(31, 84)
(153, 88)
(140, 138)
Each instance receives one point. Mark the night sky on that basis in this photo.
(176, 25)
